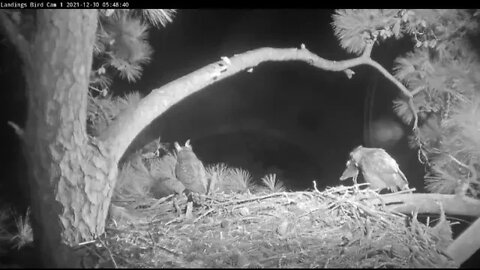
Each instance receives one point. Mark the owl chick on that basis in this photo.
(189, 169)
(378, 168)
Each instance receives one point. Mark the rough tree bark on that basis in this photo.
(70, 177)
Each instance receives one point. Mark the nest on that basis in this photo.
(338, 227)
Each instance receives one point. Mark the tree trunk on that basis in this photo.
(71, 179)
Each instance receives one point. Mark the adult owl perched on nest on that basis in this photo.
(378, 168)
(189, 169)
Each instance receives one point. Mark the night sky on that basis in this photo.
(286, 118)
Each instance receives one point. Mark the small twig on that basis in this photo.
(414, 112)
(174, 220)
(417, 90)
(409, 191)
(458, 162)
(203, 215)
(18, 130)
(188, 213)
(177, 207)
(109, 252)
(315, 186)
(250, 199)
(161, 200)
(155, 245)
(86, 242)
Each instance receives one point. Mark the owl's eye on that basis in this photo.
(157, 152)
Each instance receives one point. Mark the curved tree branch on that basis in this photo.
(399, 85)
(465, 245)
(121, 133)
(427, 204)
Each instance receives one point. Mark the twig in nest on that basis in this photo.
(161, 200)
(250, 199)
(188, 213)
(174, 220)
(203, 215)
(177, 208)
(86, 243)
(399, 192)
(109, 252)
(163, 248)
(315, 186)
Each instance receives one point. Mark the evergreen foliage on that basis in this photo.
(443, 74)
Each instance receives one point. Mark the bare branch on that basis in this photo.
(427, 203)
(466, 244)
(417, 90)
(400, 86)
(119, 135)
(389, 76)
(368, 50)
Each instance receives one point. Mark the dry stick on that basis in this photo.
(161, 200)
(163, 248)
(109, 252)
(250, 199)
(204, 214)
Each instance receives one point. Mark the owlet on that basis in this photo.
(190, 170)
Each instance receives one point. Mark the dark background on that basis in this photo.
(286, 118)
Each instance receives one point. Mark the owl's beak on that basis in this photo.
(350, 172)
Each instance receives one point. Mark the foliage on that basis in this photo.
(122, 43)
(121, 48)
(21, 234)
(24, 235)
(443, 73)
(229, 179)
(242, 177)
(272, 183)
(101, 111)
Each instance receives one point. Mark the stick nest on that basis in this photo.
(338, 227)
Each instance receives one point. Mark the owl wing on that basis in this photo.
(166, 186)
(383, 162)
(384, 165)
(190, 175)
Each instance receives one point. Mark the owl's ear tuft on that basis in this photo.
(187, 144)
(177, 147)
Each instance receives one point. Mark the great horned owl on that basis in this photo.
(189, 169)
(378, 168)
